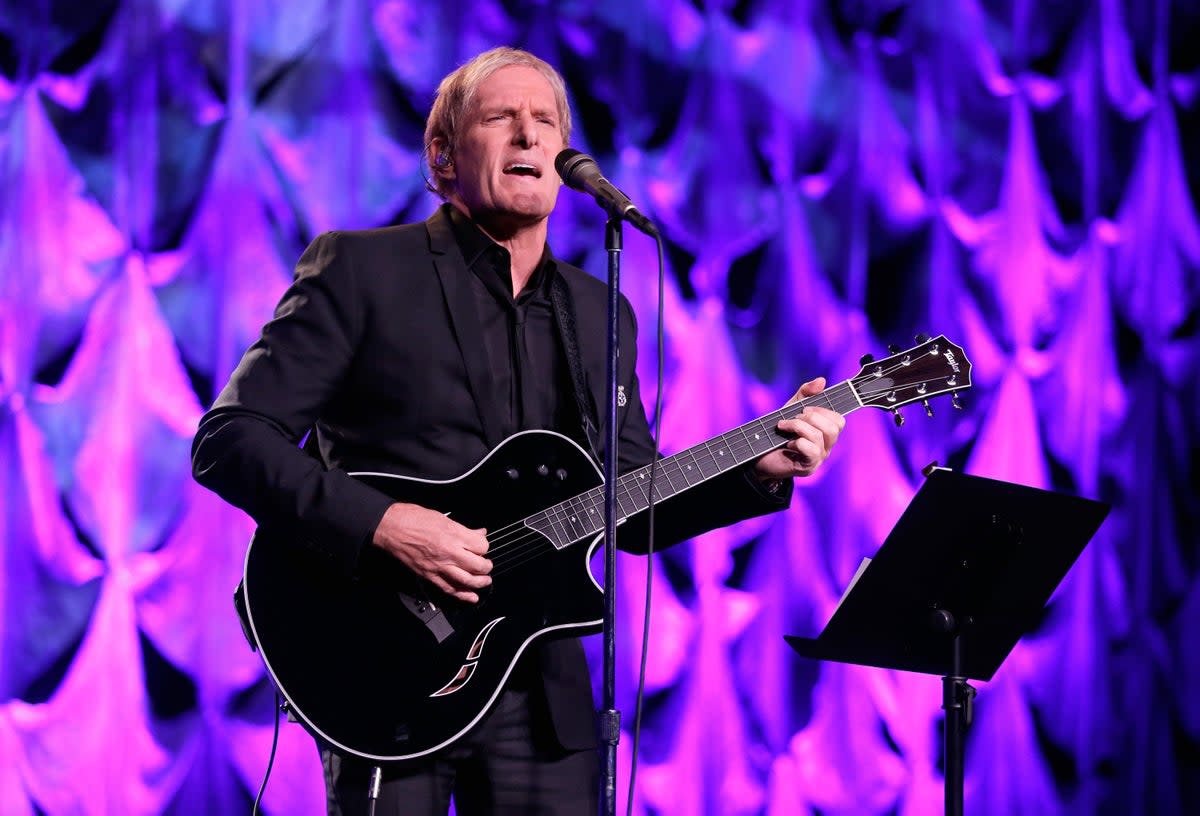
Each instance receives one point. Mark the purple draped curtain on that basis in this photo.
(830, 176)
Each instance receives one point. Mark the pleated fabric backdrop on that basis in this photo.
(830, 176)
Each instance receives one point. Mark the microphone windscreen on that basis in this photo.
(569, 163)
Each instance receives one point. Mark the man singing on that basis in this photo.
(415, 350)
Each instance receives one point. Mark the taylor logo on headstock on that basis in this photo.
(930, 368)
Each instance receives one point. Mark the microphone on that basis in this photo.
(579, 171)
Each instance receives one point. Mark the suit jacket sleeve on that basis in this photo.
(247, 446)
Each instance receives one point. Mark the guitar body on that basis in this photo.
(382, 665)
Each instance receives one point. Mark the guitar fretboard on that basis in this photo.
(582, 516)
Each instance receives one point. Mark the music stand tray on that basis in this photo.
(964, 574)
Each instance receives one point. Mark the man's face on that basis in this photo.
(503, 168)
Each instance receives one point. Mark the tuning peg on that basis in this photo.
(928, 407)
(893, 348)
(955, 401)
(899, 417)
(921, 338)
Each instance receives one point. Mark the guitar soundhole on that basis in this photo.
(460, 680)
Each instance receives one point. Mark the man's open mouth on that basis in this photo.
(522, 169)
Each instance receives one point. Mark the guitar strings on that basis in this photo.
(517, 543)
(567, 524)
(560, 516)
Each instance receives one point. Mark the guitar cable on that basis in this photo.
(658, 412)
(373, 789)
(271, 759)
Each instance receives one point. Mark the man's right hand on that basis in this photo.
(443, 552)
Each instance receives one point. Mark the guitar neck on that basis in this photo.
(583, 516)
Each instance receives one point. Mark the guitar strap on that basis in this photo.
(564, 313)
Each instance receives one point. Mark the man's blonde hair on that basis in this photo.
(457, 92)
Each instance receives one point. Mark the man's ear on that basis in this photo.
(440, 159)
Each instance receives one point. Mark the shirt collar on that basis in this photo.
(482, 253)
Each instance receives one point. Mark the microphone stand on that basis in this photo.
(609, 719)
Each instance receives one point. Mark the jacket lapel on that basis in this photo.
(464, 319)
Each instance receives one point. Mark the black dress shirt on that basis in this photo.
(529, 373)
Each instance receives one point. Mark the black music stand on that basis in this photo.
(964, 574)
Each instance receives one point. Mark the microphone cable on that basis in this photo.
(658, 412)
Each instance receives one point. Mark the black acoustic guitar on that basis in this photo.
(383, 666)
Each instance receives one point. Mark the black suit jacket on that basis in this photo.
(375, 347)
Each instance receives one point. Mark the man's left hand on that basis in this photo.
(815, 430)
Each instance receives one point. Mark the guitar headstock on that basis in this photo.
(926, 370)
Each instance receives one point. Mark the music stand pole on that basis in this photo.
(609, 720)
(957, 701)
